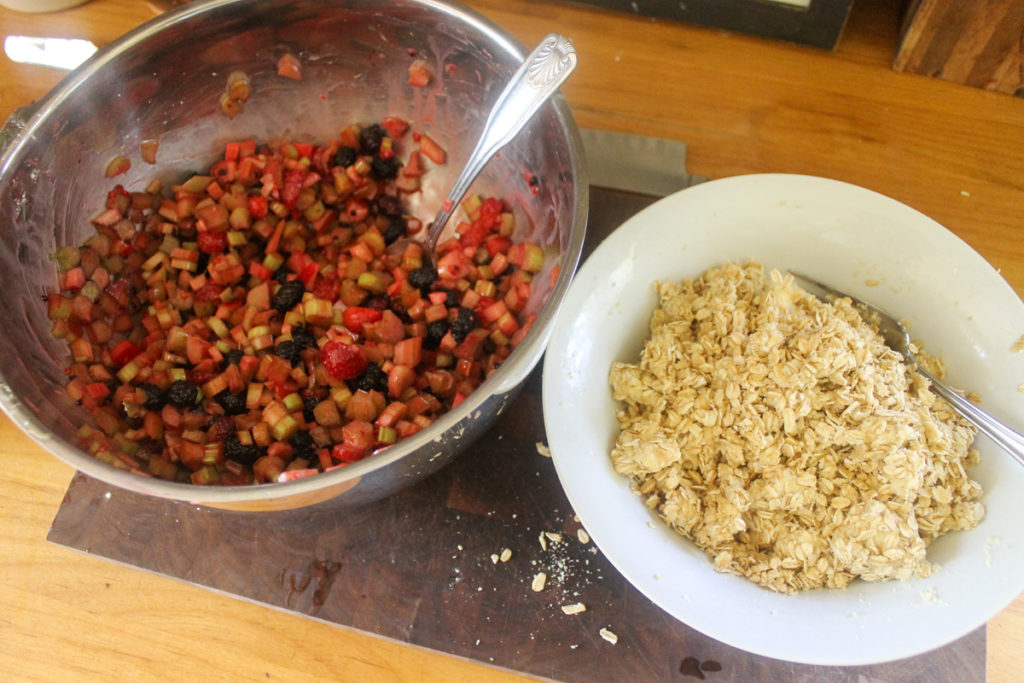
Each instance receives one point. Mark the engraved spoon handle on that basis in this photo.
(539, 77)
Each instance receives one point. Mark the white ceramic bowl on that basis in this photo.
(860, 242)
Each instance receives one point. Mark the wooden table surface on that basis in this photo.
(742, 104)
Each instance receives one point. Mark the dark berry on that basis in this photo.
(389, 205)
(154, 396)
(288, 296)
(370, 138)
(372, 378)
(280, 275)
(401, 314)
(394, 231)
(303, 337)
(346, 156)
(232, 403)
(308, 404)
(452, 299)
(149, 448)
(422, 278)
(182, 394)
(435, 333)
(383, 169)
(304, 446)
(233, 357)
(464, 323)
(378, 302)
(222, 428)
(243, 454)
(289, 350)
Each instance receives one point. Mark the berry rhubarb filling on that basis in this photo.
(249, 325)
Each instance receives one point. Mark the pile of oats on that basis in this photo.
(781, 435)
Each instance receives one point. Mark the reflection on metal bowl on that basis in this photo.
(163, 81)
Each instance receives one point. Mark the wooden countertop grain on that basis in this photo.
(741, 103)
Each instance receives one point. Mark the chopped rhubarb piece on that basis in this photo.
(118, 165)
(432, 150)
(289, 66)
(419, 73)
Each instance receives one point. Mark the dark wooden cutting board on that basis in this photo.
(417, 567)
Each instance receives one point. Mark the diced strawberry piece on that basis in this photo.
(355, 317)
(124, 352)
(257, 206)
(395, 126)
(212, 242)
(490, 212)
(327, 288)
(343, 361)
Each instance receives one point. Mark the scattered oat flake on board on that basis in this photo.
(494, 558)
(506, 555)
(553, 537)
(543, 540)
(609, 636)
(1018, 346)
(575, 608)
(583, 536)
(543, 449)
(539, 579)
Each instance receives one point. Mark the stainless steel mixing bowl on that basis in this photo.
(163, 81)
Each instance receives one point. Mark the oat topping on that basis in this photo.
(1018, 346)
(781, 435)
(575, 608)
(539, 579)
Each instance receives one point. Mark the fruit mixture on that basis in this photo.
(250, 325)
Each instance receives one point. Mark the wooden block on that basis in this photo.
(974, 42)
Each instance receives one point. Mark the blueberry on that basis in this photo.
(289, 350)
(154, 396)
(383, 169)
(232, 403)
(345, 156)
(395, 230)
(303, 337)
(372, 378)
(370, 138)
(464, 324)
(288, 296)
(182, 394)
(422, 278)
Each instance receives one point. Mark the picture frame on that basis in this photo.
(816, 23)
